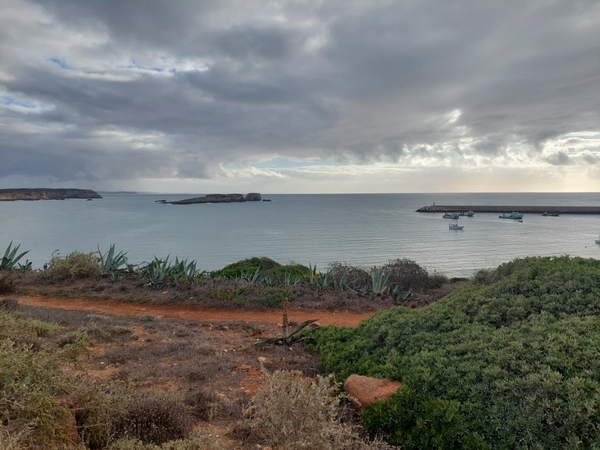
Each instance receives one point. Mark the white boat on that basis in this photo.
(455, 226)
(513, 215)
(450, 216)
(470, 213)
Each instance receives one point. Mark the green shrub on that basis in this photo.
(513, 362)
(73, 266)
(265, 267)
(235, 270)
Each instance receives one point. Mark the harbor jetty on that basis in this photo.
(508, 209)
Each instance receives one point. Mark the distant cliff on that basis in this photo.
(218, 198)
(46, 194)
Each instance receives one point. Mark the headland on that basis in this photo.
(46, 194)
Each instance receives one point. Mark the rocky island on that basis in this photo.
(46, 194)
(217, 198)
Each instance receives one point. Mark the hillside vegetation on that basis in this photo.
(510, 362)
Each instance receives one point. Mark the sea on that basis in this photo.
(363, 230)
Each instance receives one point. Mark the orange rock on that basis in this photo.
(366, 390)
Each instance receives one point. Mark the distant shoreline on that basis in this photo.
(10, 195)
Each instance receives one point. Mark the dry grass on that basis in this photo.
(182, 373)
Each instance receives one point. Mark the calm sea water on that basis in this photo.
(363, 230)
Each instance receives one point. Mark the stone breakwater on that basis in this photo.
(46, 194)
(509, 209)
(218, 198)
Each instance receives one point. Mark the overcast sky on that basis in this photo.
(300, 96)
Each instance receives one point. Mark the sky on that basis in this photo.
(220, 96)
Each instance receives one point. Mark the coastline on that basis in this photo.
(27, 194)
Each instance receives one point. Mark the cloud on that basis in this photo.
(92, 92)
(559, 159)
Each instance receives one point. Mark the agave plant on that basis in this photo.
(340, 285)
(110, 261)
(10, 258)
(290, 280)
(400, 295)
(251, 277)
(156, 271)
(379, 279)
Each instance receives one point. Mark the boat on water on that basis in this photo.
(453, 216)
(513, 215)
(470, 213)
(455, 226)
(547, 214)
(598, 240)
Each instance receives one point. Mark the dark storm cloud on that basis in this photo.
(155, 89)
(559, 159)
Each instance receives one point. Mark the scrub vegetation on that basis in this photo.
(510, 362)
(509, 359)
(257, 282)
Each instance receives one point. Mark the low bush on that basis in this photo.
(154, 417)
(513, 362)
(293, 412)
(203, 442)
(408, 275)
(236, 269)
(351, 276)
(31, 383)
(9, 304)
(7, 282)
(266, 267)
(73, 266)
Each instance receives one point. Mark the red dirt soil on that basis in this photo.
(343, 319)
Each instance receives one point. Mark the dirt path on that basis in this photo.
(112, 307)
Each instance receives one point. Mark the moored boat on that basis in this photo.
(513, 215)
(455, 226)
(453, 216)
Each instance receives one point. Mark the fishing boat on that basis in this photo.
(547, 214)
(455, 226)
(453, 216)
(470, 213)
(513, 215)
